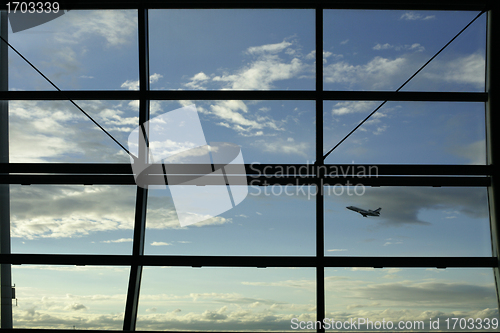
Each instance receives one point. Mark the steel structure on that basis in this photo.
(5, 269)
(391, 175)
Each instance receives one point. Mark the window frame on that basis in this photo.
(389, 174)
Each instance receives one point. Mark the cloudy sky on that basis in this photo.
(253, 50)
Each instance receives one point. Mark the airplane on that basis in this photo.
(365, 213)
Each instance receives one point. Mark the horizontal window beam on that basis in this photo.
(336, 4)
(437, 181)
(246, 261)
(257, 169)
(246, 95)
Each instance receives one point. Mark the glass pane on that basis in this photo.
(225, 299)
(410, 299)
(271, 220)
(406, 132)
(72, 219)
(413, 221)
(80, 50)
(380, 50)
(266, 131)
(232, 49)
(69, 297)
(56, 131)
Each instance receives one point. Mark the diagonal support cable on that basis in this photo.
(72, 102)
(404, 84)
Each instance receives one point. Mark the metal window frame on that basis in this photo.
(390, 175)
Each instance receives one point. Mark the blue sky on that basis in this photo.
(252, 50)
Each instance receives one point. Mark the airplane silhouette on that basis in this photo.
(365, 213)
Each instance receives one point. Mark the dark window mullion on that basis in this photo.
(5, 246)
(132, 303)
(320, 230)
(492, 154)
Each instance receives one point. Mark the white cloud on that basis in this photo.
(44, 131)
(281, 146)
(160, 244)
(467, 69)
(390, 241)
(413, 47)
(364, 107)
(305, 284)
(197, 80)
(69, 211)
(383, 47)
(377, 74)
(380, 67)
(360, 297)
(170, 148)
(36, 148)
(380, 129)
(155, 77)
(200, 77)
(348, 107)
(228, 110)
(260, 73)
(44, 122)
(413, 16)
(386, 73)
(63, 312)
(77, 211)
(235, 115)
(269, 48)
(75, 307)
(340, 72)
(326, 54)
(134, 84)
(121, 240)
(131, 85)
(117, 27)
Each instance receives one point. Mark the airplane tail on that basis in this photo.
(377, 210)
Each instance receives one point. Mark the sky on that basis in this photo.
(253, 50)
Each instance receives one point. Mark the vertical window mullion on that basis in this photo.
(5, 248)
(132, 303)
(320, 251)
(492, 148)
